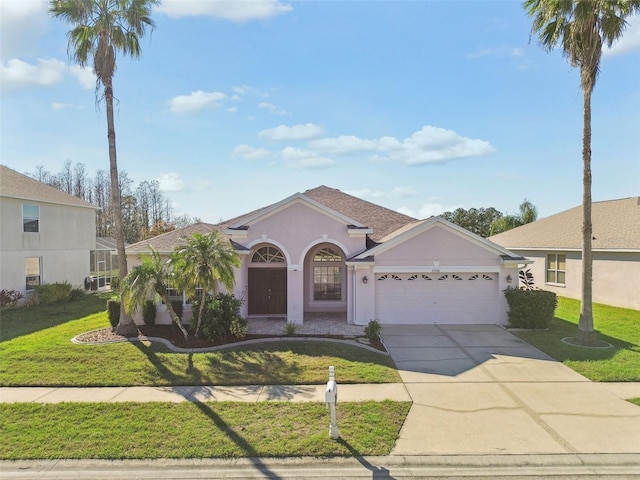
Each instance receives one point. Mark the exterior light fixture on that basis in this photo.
(365, 279)
(509, 278)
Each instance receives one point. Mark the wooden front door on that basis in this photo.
(267, 291)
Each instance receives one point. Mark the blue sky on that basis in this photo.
(420, 106)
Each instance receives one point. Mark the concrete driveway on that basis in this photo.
(479, 390)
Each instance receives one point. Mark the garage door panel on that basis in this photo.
(436, 298)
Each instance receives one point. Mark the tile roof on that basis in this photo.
(616, 225)
(381, 220)
(23, 187)
(166, 242)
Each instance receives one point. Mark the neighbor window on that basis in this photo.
(556, 268)
(327, 278)
(30, 218)
(33, 270)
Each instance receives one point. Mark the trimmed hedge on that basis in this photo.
(113, 311)
(530, 308)
(149, 311)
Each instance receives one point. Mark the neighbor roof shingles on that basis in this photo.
(616, 225)
(19, 186)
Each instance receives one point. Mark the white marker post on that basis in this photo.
(331, 399)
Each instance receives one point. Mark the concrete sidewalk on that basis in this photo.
(249, 393)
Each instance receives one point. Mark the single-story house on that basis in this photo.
(554, 244)
(326, 251)
(46, 234)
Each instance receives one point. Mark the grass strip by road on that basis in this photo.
(196, 430)
(618, 326)
(36, 350)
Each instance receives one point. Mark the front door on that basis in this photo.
(267, 291)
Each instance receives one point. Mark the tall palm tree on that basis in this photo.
(100, 28)
(581, 28)
(153, 276)
(204, 262)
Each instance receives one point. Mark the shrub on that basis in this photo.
(115, 283)
(149, 312)
(77, 293)
(113, 311)
(290, 329)
(372, 330)
(221, 317)
(526, 279)
(530, 308)
(9, 298)
(50, 293)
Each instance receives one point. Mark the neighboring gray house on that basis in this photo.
(46, 234)
(555, 245)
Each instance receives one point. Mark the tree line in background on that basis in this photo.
(489, 221)
(146, 211)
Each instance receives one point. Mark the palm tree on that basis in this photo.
(203, 263)
(153, 276)
(581, 28)
(528, 214)
(100, 28)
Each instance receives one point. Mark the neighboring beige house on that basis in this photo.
(555, 245)
(326, 251)
(46, 234)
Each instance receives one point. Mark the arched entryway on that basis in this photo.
(267, 292)
(325, 286)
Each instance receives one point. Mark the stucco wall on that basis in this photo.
(616, 276)
(66, 235)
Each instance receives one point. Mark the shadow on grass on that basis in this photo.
(377, 473)
(260, 364)
(238, 440)
(550, 342)
(26, 320)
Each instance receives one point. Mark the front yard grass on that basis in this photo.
(196, 430)
(618, 326)
(36, 350)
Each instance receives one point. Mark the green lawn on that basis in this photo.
(618, 326)
(36, 349)
(196, 430)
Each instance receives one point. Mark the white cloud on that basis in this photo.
(629, 41)
(21, 23)
(196, 101)
(300, 158)
(246, 89)
(395, 193)
(234, 10)
(432, 145)
(15, 73)
(427, 210)
(295, 132)
(171, 182)
(345, 144)
(272, 108)
(85, 76)
(251, 153)
(427, 145)
(65, 106)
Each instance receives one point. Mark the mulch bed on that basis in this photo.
(174, 335)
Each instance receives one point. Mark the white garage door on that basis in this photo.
(452, 298)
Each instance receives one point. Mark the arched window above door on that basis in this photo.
(268, 254)
(327, 254)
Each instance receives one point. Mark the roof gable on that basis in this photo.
(417, 228)
(166, 242)
(297, 198)
(22, 187)
(616, 226)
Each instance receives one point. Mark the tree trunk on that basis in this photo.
(585, 325)
(174, 317)
(125, 326)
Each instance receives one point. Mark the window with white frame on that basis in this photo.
(33, 272)
(327, 276)
(30, 218)
(556, 268)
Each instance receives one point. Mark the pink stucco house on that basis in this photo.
(326, 251)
